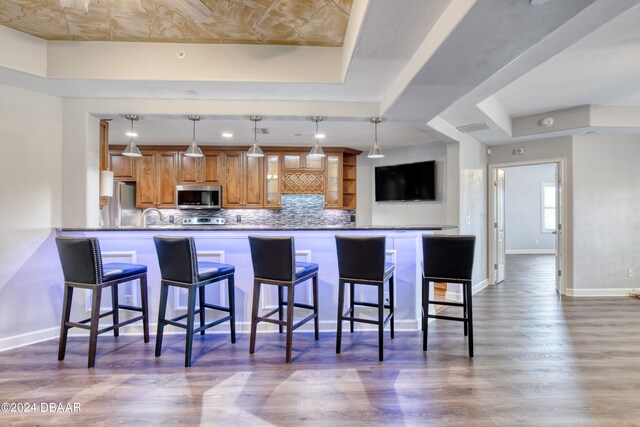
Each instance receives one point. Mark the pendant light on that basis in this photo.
(132, 150)
(375, 152)
(316, 151)
(255, 150)
(194, 150)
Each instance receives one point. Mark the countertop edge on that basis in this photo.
(249, 228)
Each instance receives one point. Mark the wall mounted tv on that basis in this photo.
(408, 182)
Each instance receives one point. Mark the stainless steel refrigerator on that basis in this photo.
(121, 209)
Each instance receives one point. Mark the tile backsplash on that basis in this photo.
(298, 210)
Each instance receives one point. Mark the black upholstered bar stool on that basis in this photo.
(179, 267)
(82, 267)
(448, 259)
(361, 261)
(274, 263)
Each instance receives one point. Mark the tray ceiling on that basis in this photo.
(274, 22)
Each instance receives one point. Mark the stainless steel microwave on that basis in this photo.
(198, 197)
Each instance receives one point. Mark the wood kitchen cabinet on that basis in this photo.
(340, 190)
(293, 161)
(206, 170)
(156, 176)
(123, 167)
(243, 181)
(272, 187)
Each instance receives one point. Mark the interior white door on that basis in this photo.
(498, 226)
(558, 231)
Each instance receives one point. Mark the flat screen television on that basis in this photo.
(408, 182)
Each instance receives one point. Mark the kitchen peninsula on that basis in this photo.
(229, 244)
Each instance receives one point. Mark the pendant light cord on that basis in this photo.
(255, 131)
(194, 130)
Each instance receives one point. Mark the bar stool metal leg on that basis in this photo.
(66, 313)
(164, 293)
(202, 313)
(425, 312)
(95, 319)
(340, 310)
(191, 308)
(254, 316)
(464, 308)
(290, 302)
(380, 321)
(316, 320)
(145, 307)
(469, 289)
(391, 305)
(352, 298)
(114, 306)
(280, 308)
(232, 308)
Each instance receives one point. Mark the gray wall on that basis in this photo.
(607, 206)
(408, 213)
(523, 209)
(31, 190)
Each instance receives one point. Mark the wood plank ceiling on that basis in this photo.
(273, 22)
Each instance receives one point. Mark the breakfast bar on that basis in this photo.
(230, 245)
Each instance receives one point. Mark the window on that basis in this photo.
(548, 208)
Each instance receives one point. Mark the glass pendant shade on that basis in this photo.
(132, 150)
(316, 151)
(255, 150)
(375, 152)
(194, 150)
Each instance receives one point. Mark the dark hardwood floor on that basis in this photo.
(541, 359)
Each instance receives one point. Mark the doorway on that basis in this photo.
(526, 201)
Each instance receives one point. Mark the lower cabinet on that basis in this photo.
(156, 176)
(243, 181)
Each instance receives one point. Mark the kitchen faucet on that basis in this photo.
(144, 215)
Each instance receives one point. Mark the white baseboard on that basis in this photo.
(607, 292)
(21, 340)
(530, 251)
(457, 296)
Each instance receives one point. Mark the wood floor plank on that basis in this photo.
(541, 359)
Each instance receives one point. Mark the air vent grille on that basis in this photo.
(476, 127)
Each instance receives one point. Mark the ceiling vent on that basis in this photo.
(262, 131)
(476, 127)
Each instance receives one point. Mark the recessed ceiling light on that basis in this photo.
(227, 134)
(321, 136)
(131, 134)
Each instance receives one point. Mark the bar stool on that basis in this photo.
(448, 259)
(179, 267)
(274, 264)
(82, 268)
(361, 261)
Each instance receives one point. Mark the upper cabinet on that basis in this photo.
(247, 182)
(243, 181)
(206, 170)
(273, 189)
(301, 161)
(156, 177)
(340, 190)
(123, 167)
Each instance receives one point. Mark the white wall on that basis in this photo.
(408, 213)
(31, 191)
(606, 221)
(523, 208)
(473, 203)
